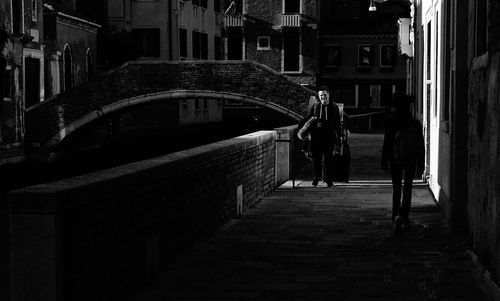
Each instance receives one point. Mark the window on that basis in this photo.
(204, 46)
(365, 55)
(5, 80)
(202, 3)
(68, 68)
(34, 10)
(200, 45)
(218, 47)
(32, 77)
(436, 62)
(387, 56)
(17, 16)
(234, 44)
(291, 52)
(90, 64)
(263, 43)
(146, 41)
(195, 37)
(291, 6)
(205, 105)
(197, 104)
(429, 43)
(183, 42)
(481, 26)
(331, 56)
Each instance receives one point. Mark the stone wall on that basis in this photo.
(99, 236)
(484, 155)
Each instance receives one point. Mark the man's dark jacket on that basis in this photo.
(328, 135)
(393, 123)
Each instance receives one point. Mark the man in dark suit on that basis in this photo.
(325, 135)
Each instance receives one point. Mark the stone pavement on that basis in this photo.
(307, 243)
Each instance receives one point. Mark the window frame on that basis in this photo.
(338, 47)
(383, 50)
(268, 38)
(283, 8)
(199, 39)
(283, 60)
(360, 57)
(181, 46)
(152, 52)
(8, 83)
(34, 11)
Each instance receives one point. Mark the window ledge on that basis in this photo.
(291, 72)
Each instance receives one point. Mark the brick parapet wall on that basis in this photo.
(97, 234)
(142, 78)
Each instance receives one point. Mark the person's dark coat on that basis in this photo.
(325, 131)
(394, 124)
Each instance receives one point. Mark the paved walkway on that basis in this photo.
(307, 243)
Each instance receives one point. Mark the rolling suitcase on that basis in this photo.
(342, 161)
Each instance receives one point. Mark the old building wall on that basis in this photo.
(483, 147)
(80, 40)
(484, 161)
(270, 57)
(267, 11)
(309, 8)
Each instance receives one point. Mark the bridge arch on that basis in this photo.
(161, 96)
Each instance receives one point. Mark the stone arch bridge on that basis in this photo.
(135, 83)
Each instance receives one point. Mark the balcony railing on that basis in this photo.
(293, 20)
(234, 20)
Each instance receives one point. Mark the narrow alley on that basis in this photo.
(307, 243)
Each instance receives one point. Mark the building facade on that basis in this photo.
(70, 48)
(43, 52)
(22, 55)
(164, 29)
(358, 58)
(280, 34)
(455, 64)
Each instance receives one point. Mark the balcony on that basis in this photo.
(296, 20)
(234, 20)
(291, 20)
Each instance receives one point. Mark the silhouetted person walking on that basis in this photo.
(324, 129)
(404, 151)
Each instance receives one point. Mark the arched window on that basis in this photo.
(90, 64)
(68, 68)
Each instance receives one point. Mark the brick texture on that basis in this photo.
(94, 230)
(136, 79)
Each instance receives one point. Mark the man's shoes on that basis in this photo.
(329, 183)
(398, 222)
(315, 182)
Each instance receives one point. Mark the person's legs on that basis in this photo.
(396, 175)
(328, 165)
(317, 158)
(407, 191)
